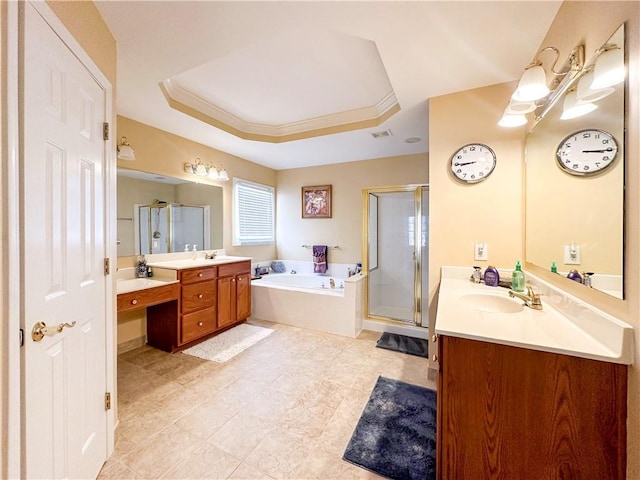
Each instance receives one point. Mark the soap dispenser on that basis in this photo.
(517, 278)
(194, 252)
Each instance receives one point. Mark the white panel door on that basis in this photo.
(63, 252)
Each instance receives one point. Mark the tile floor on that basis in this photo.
(284, 408)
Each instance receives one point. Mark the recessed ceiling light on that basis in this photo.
(381, 134)
(412, 140)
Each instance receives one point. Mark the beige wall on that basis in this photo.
(344, 228)
(490, 211)
(161, 152)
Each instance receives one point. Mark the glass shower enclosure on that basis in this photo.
(396, 254)
(169, 227)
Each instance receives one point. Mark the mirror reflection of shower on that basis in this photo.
(163, 227)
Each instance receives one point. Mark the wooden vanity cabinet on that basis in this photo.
(234, 293)
(507, 412)
(212, 299)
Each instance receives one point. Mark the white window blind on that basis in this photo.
(253, 212)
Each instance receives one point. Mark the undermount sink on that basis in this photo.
(488, 302)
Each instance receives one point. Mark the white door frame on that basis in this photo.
(11, 462)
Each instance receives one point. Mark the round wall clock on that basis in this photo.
(473, 163)
(587, 152)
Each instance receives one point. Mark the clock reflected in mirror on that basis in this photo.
(473, 163)
(587, 152)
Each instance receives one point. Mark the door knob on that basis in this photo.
(40, 329)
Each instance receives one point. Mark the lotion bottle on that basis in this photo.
(517, 278)
(491, 276)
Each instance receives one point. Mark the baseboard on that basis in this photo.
(131, 345)
(408, 330)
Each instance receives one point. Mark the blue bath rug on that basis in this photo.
(404, 344)
(396, 434)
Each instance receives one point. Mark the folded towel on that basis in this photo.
(320, 259)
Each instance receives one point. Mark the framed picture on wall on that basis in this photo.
(316, 201)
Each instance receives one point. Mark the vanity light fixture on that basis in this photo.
(125, 152)
(534, 94)
(206, 170)
(609, 69)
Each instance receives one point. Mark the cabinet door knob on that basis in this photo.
(134, 302)
(200, 324)
(200, 295)
(233, 279)
(200, 275)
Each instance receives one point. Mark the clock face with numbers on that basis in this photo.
(473, 163)
(587, 152)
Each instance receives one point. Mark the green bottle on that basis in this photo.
(554, 269)
(517, 279)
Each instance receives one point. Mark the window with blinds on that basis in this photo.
(253, 213)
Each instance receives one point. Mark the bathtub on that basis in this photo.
(303, 282)
(308, 301)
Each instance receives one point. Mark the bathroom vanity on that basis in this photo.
(210, 295)
(525, 393)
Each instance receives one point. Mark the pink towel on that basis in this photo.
(319, 259)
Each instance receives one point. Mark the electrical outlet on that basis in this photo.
(572, 254)
(480, 251)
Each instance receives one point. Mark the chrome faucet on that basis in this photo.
(476, 277)
(530, 299)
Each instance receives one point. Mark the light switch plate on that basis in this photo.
(572, 254)
(480, 251)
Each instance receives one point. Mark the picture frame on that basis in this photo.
(316, 201)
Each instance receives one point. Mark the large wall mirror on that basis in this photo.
(160, 214)
(575, 182)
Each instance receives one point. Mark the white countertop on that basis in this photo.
(137, 284)
(197, 263)
(581, 331)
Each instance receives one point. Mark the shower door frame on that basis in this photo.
(417, 190)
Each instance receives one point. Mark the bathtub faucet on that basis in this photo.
(293, 272)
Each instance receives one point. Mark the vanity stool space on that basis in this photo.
(214, 296)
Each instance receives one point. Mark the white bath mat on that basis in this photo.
(230, 343)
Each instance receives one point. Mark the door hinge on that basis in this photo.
(107, 401)
(107, 266)
(21, 337)
(105, 131)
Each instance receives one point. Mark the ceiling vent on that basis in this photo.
(381, 134)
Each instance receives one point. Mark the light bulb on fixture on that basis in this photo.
(213, 173)
(532, 85)
(571, 108)
(512, 120)
(223, 175)
(586, 94)
(125, 152)
(609, 69)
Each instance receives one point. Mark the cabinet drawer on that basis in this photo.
(229, 269)
(194, 275)
(198, 296)
(147, 297)
(197, 324)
